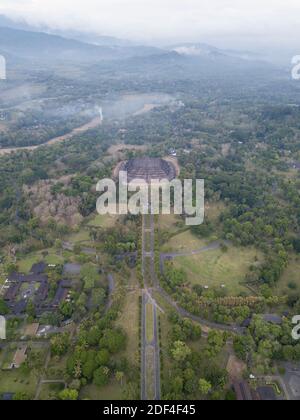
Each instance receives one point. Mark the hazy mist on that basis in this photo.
(253, 24)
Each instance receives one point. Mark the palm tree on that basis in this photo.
(120, 377)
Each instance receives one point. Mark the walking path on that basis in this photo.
(171, 255)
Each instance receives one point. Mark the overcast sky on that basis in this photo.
(247, 23)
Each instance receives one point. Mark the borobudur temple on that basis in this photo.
(148, 169)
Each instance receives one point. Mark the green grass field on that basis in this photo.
(150, 383)
(169, 223)
(105, 221)
(50, 391)
(57, 367)
(216, 268)
(149, 322)
(81, 236)
(147, 242)
(129, 322)
(111, 392)
(13, 381)
(185, 241)
(27, 262)
(290, 275)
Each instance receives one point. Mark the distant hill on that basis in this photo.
(87, 37)
(43, 46)
(184, 61)
(204, 50)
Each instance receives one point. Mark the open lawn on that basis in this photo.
(290, 279)
(147, 242)
(81, 236)
(170, 223)
(129, 322)
(185, 241)
(182, 238)
(216, 268)
(50, 391)
(57, 367)
(13, 381)
(111, 392)
(150, 369)
(27, 262)
(103, 221)
(149, 322)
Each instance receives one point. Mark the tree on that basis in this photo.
(180, 351)
(93, 336)
(21, 396)
(177, 385)
(90, 364)
(68, 395)
(58, 244)
(205, 387)
(215, 341)
(60, 344)
(113, 340)
(89, 274)
(66, 309)
(11, 268)
(100, 377)
(3, 307)
(30, 309)
(120, 377)
(103, 357)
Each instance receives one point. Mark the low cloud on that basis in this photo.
(247, 22)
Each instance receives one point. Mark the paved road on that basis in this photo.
(143, 356)
(150, 352)
(152, 285)
(184, 313)
(290, 382)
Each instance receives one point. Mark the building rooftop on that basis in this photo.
(267, 393)
(148, 169)
(20, 356)
(273, 319)
(243, 391)
(38, 268)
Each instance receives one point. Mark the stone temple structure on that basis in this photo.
(148, 169)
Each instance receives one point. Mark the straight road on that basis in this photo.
(151, 284)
